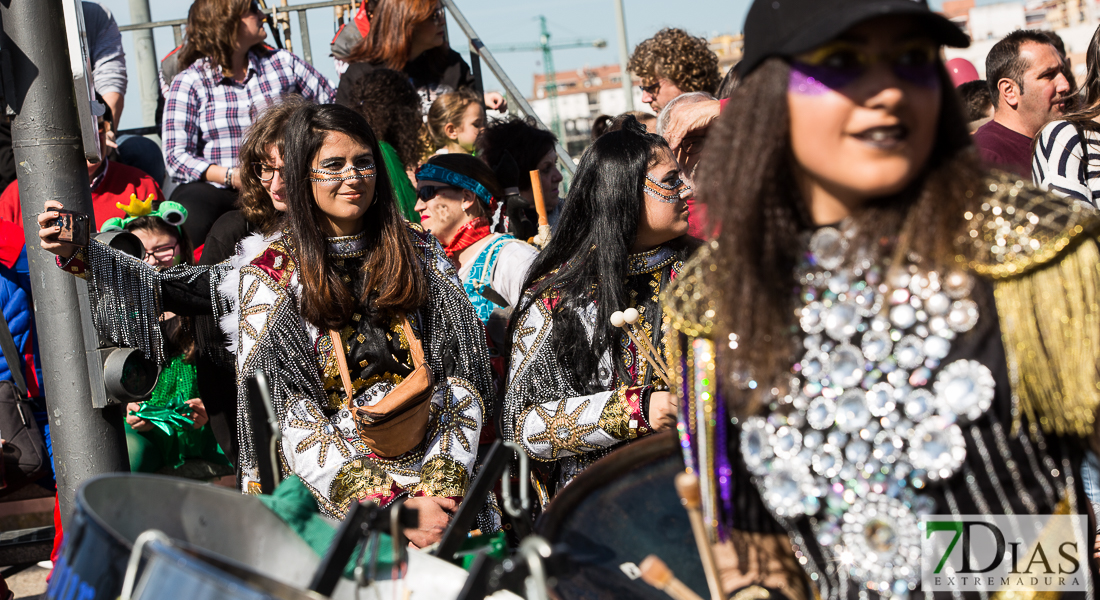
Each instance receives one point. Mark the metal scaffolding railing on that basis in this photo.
(478, 54)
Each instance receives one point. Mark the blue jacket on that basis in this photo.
(15, 301)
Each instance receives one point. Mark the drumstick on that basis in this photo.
(618, 319)
(631, 315)
(540, 203)
(657, 574)
(687, 486)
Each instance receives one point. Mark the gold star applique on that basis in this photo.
(562, 432)
(323, 434)
(517, 340)
(248, 311)
(451, 419)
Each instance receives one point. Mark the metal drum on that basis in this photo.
(112, 510)
(618, 511)
(177, 572)
(174, 572)
(220, 540)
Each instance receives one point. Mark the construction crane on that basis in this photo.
(551, 85)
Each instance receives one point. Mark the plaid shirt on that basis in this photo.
(206, 114)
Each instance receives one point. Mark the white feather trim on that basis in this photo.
(248, 249)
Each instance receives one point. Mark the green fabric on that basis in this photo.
(403, 190)
(295, 505)
(173, 438)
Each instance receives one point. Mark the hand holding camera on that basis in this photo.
(61, 231)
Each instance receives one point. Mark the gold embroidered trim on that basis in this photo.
(442, 477)
(615, 418)
(1050, 325)
(357, 480)
(1018, 227)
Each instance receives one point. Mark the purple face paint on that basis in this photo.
(812, 80)
(815, 81)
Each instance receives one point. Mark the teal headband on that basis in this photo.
(432, 172)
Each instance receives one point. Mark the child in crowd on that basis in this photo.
(170, 427)
(455, 120)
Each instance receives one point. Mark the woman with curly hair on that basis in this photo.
(672, 63)
(391, 106)
(883, 329)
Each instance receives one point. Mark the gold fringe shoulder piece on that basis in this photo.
(1050, 327)
(1018, 227)
(691, 301)
(1040, 250)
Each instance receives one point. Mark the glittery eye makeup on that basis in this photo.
(345, 174)
(669, 194)
(837, 65)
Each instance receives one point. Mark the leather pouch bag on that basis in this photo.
(399, 421)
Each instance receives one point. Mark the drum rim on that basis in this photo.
(633, 454)
(94, 517)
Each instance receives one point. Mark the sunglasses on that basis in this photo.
(254, 7)
(427, 192)
(840, 63)
(438, 15)
(651, 89)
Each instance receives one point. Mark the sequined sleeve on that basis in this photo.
(127, 296)
(547, 415)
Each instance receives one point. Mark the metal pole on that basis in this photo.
(146, 52)
(624, 56)
(50, 165)
(514, 95)
(303, 30)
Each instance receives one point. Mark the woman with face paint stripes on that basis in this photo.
(578, 386)
(890, 330)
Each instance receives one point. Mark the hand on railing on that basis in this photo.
(496, 101)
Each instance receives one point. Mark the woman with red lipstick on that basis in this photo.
(410, 36)
(577, 385)
(882, 329)
(456, 195)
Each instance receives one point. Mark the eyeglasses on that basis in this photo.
(162, 252)
(427, 192)
(267, 172)
(439, 15)
(652, 88)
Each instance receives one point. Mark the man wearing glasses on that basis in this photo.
(671, 63)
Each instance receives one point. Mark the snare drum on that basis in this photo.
(618, 511)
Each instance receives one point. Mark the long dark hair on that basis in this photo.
(394, 280)
(746, 178)
(586, 259)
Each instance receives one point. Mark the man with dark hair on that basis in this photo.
(1028, 87)
(671, 63)
(976, 104)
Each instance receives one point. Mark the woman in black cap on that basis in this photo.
(882, 330)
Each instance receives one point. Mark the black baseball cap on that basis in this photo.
(790, 27)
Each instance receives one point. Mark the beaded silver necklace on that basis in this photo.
(348, 246)
(872, 418)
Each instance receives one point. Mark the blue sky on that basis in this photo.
(498, 23)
